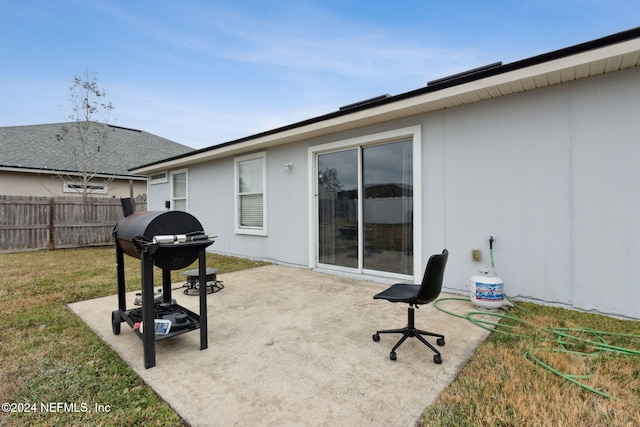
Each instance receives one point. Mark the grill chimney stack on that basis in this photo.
(127, 206)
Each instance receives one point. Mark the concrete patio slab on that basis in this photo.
(290, 347)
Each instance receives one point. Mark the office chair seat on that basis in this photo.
(415, 295)
(400, 293)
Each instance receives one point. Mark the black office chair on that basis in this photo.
(415, 295)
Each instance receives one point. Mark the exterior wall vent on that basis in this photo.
(365, 102)
(464, 74)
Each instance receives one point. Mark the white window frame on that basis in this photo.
(186, 196)
(413, 133)
(239, 229)
(159, 178)
(92, 188)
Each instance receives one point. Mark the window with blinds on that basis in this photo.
(250, 179)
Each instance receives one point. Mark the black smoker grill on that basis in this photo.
(170, 240)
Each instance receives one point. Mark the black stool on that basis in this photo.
(193, 282)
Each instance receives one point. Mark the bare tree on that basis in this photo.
(85, 138)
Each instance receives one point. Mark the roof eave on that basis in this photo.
(609, 54)
(46, 171)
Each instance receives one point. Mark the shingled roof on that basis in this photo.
(36, 147)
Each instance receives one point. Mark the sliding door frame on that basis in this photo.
(412, 133)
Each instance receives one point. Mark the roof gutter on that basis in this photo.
(27, 169)
(487, 82)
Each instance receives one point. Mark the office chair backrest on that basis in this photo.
(432, 280)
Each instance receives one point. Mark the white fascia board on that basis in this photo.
(533, 71)
(450, 96)
(558, 65)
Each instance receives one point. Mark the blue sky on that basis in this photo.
(204, 72)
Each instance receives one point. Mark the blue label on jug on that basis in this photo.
(489, 291)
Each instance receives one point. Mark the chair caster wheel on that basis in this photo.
(376, 337)
(392, 355)
(440, 341)
(116, 319)
(437, 359)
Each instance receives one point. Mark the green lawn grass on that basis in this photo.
(542, 367)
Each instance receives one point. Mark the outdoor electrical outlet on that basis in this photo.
(476, 255)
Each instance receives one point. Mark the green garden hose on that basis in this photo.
(597, 346)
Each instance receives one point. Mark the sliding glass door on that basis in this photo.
(365, 208)
(388, 207)
(338, 208)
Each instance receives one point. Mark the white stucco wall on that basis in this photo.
(14, 183)
(551, 173)
(211, 200)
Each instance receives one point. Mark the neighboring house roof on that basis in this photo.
(608, 54)
(35, 148)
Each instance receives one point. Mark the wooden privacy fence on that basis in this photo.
(28, 223)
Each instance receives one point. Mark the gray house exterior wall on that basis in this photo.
(211, 200)
(552, 173)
